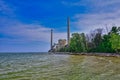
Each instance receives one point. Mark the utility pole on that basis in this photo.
(51, 39)
(68, 31)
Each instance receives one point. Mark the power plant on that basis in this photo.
(61, 42)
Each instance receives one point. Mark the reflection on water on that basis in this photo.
(58, 67)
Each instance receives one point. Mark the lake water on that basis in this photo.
(43, 66)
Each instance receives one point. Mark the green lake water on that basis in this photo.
(42, 66)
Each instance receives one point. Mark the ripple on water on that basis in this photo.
(59, 67)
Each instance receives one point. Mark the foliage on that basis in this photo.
(115, 38)
(77, 43)
(96, 41)
(115, 41)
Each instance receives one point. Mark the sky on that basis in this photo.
(25, 24)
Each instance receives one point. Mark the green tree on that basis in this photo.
(83, 42)
(96, 40)
(115, 41)
(105, 45)
(77, 43)
(115, 30)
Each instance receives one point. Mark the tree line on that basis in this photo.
(95, 41)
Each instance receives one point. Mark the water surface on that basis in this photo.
(43, 66)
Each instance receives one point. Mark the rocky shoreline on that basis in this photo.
(90, 54)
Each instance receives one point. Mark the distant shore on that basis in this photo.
(91, 54)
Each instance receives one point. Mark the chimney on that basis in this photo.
(68, 31)
(51, 39)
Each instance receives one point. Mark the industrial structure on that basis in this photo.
(51, 39)
(61, 42)
(68, 31)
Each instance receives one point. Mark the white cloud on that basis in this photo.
(30, 36)
(100, 13)
(94, 5)
(29, 32)
(87, 22)
(98, 3)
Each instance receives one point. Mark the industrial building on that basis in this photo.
(61, 42)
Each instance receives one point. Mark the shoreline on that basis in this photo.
(90, 54)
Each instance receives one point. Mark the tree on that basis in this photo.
(77, 43)
(105, 45)
(114, 30)
(115, 41)
(95, 41)
(83, 42)
(98, 37)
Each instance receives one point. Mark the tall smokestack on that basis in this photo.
(51, 39)
(68, 31)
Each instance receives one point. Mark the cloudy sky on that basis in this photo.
(25, 24)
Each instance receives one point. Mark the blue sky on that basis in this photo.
(25, 24)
